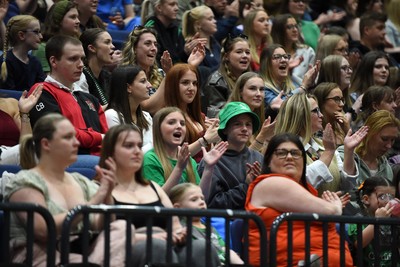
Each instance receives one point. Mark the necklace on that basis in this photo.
(99, 90)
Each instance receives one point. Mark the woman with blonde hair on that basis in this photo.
(169, 162)
(256, 26)
(301, 116)
(368, 157)
(200, 22)
(19, 69)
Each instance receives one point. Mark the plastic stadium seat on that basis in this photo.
(10, 93)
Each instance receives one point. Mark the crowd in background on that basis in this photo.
(267, 106)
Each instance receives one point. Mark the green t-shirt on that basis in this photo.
(385, 244)
(310, 32)
(152, 169)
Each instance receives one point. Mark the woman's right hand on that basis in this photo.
(333, 198)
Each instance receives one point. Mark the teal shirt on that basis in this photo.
(152, 169)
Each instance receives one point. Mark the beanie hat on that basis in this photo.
(233, 109)
(59, 11)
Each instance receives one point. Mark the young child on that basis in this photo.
(190, 196)
(20, 70)
(373, 196)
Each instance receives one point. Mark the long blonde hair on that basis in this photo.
(159, 145)
(189, 20)
(14, 26)
(248, 30)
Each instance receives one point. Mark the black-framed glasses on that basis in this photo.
(280, 57)
(292, 26)
(37, 32)
(385, 197)
(337, 99)
(283, 153)
(229, 39)
(316, 111)
(346, 68)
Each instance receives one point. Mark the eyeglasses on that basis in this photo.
(283, 153)
(229, 40)
(385, 197)
(316, 111)
(346, 68)
(37, 32)
(343, 50)
(281, 57)
(292, 26)
(337, 99)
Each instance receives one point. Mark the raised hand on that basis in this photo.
(211, 134)
(329, 138)
(267, 130)
(277, 101)
(332, 198)
(107, 178)
(26, 103)
(197, 55)
(351, 141)
(166, 61)
(183, 156)
(211, 157)
(253, 170)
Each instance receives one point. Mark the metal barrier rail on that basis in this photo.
(394, 223)
(30, 209)
(150, 213)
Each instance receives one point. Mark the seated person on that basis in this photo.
(239, 165)
(65, 54)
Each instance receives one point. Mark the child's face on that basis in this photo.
(379, 198)
(193, 199)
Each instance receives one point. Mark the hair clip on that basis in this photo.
(361, 185)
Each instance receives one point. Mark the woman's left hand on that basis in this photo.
(344, 198)
(107, 178)
(197, 55)
(211, 157)
(211, 134)
(333, 198)
(26, 103)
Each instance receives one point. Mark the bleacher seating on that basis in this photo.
(10, 93)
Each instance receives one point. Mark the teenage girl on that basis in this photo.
(373, 196)
(20, 70)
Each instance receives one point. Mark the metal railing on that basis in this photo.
(341, 221)
(150, 213)
(30, 209)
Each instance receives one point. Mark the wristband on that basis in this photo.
(205, 141)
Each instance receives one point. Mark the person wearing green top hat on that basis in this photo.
(239, 165)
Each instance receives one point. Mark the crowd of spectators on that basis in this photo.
(269, 107)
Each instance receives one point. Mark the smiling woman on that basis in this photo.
(19, 69)
(181, 90)
(284, 178)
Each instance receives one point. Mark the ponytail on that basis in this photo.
(27, 152)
